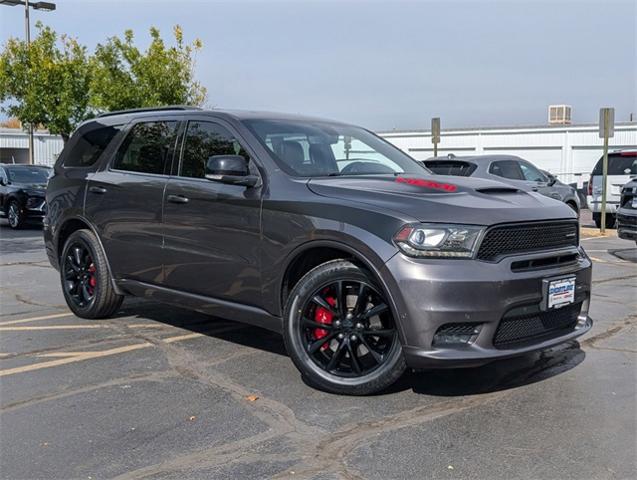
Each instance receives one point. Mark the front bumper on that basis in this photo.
(428, 294)
(627, 223)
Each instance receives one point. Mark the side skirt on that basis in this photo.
(208, 305)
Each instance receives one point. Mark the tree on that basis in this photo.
(46, 83)
(124, 77)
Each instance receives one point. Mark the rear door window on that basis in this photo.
(622, 163)
(90, 145)
(507, 169)
(148, 148)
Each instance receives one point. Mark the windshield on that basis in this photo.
(28, 174)
(316, 149)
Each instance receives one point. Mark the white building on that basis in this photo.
(569, 151)
(14, 146)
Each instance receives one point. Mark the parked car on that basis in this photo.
(627, 212)
(508, 169)
(22, 191)
(364, 261)
(622, 166)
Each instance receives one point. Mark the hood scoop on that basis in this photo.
(497, 190)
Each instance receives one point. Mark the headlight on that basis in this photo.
(437, 240)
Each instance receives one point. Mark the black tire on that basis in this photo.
(375, 370)
(85, 277)
(15, 215)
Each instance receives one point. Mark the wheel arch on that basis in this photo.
(78, 222)
(312, 254)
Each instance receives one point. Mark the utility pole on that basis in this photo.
(27, 29)
(46, 6)
(606, 131)
(435, 134)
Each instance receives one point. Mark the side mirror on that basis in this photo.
(552, 180)
(232, 169)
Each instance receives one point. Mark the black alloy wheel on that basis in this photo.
(340, 331)
(347, 328)
(15, 215)
(79, 273)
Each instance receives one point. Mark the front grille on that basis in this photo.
(536, 327)
(527, 237)
(627, 220)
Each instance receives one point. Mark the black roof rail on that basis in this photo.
(147, 109)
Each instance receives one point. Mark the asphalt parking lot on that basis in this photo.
(160, 392)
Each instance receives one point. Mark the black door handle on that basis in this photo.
(95, 189)
(177, 199)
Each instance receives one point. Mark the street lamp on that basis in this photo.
(46, 6)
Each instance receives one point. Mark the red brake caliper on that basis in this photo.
(323, 315)
(92, 281)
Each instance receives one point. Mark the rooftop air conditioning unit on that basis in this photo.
(559, 114)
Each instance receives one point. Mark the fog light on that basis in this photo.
(456, 334)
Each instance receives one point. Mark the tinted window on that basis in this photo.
(148, 148)
(90, 146)
(506, 169)
(448, 167)
(618, 164)
(531, 173)
(203, 140)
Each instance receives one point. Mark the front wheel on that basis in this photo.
(15, 215)
(85, 277)
(340, 331)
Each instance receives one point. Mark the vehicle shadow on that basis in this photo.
(495, 376)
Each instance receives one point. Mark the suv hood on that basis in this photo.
(444, 199)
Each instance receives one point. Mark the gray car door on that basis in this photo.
(211, 229)
(538, 181)
(124, 199)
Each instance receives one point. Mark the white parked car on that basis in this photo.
(622, 167)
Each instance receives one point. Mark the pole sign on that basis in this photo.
(606, 122)
(435, 134)
(606, 131)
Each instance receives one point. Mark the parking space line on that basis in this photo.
(69, 327)
(72, 357)
(36, 319)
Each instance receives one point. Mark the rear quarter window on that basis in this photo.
(90, 145)
(624, 163)
(459, 169)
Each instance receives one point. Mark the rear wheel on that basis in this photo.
(340, 331)
(15, 215)
(86, 281)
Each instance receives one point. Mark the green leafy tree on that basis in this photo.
(125, 77)
(46, 83)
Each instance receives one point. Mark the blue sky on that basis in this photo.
(388, 64)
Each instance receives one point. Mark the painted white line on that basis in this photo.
(63, 358)
(37, 319)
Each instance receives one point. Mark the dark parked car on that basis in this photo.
(364, 261)
(22, 190)
(508, 169)
(627, 212)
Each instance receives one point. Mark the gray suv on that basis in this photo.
(322, 231)
(509, 169)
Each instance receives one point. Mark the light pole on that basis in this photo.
(46, 6)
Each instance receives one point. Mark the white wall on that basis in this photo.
(567, 151)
